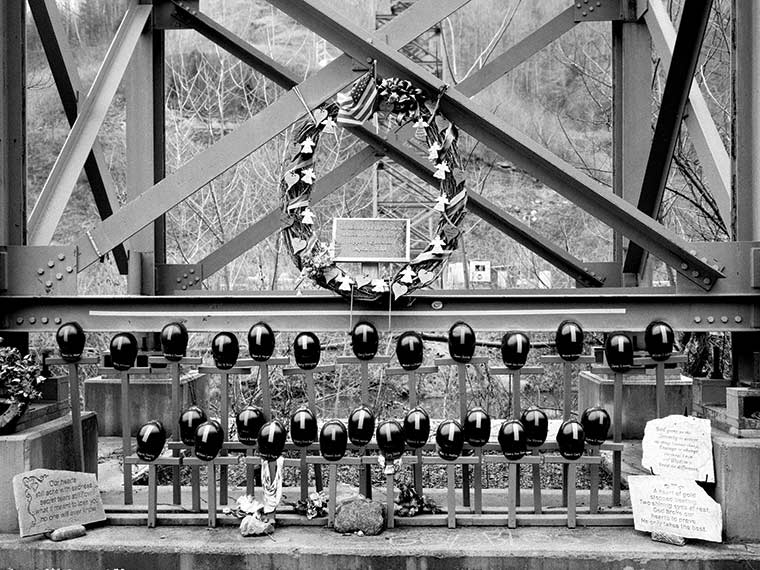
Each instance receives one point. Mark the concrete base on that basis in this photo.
(737, 484)
(639, 397)
(312, 548)
(149, 399)
(46, 446)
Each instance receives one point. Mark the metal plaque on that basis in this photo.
(371, 240)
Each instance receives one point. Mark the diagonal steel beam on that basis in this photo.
(691, 32)
(704, 135)
(47, 18)
(510, 143)
(270, 223)
(482, 78)
(60, 183)
(518, 53)
(252, 134)
(393, 145)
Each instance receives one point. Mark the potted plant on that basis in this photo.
(20, 378)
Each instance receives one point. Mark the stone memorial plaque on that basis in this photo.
(679, 446)
(371, 239)
(48, 499)
(675, 506)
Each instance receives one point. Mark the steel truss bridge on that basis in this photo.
(717, 283)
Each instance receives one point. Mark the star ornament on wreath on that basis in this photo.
(396, 98)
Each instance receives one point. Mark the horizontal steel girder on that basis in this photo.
(252, 134)
(615, 309)
(510, 143)
(63, 177)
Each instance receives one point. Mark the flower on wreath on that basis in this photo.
(316, 262)
(395, 98)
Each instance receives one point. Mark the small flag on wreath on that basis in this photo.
(358, 104)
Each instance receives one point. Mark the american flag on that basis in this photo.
(358, 104)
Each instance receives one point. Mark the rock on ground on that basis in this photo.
(358, 513)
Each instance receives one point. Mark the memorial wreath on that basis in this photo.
(395, 98)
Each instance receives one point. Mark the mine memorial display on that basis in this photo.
(408, 355)
(404, 442)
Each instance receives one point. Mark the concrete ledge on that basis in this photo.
(50, 446)
(737, 484)
(412, 548)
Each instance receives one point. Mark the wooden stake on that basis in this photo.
(225, 413)
(195, 488)
(478, 481)
(266, 394)
(250, 475)
(659, 370)
(389, 503)
(462, 376)
(76, 415)
(536, 485)
(516, 412)
(126, 436)
(593, 502)
(451, 495)
(177, 411)
(152, 495)
(514, 489)
(617, 436)
(333, 498)
(211, 476)
(571, 506)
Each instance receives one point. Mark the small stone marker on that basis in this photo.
(674, 506)
(679, 446)
(47, 500)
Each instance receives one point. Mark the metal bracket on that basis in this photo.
(738, 261)
(608, 272)
(755, 267)
(604, 10)
(3, 271)
(38, 270)
(174, 278)
(642, 6)
(167, 16)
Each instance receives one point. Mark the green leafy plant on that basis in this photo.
(20, 379)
